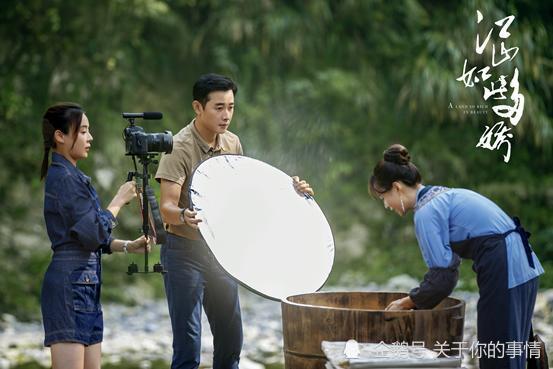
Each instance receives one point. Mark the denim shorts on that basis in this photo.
(70, 298)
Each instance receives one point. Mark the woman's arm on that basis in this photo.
(401, 304)
(87, 224)
(126, 193)
(137, 246)
(432, 231)
(437, 284)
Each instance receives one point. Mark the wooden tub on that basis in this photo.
(338, 316)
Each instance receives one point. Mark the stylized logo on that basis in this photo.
(499, 134)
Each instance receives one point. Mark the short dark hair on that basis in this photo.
(62, 117)
(209, 83)
(395, 166)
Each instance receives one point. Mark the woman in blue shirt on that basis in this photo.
(80, 232)
(453, 223)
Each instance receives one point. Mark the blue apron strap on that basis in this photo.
(524, 236)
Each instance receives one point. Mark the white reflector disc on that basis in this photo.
(263, 233)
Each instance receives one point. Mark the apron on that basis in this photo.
(504, 315)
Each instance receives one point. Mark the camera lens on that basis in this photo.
(160, 142)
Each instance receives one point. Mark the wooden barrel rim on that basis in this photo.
(287, 302)
(304, 355)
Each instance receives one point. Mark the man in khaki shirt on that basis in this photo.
(193, 276)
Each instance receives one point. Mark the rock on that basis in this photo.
(4, 363)
(246, 363)
(7, 321)
(544, 306)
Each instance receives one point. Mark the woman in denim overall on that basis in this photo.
(80, 232)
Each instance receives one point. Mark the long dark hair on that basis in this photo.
(62, 117)
(395, 166)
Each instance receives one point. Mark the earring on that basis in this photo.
(402, 206)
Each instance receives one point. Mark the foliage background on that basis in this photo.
(324, 87)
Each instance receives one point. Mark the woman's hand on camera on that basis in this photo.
(126, 193)
(139, 245)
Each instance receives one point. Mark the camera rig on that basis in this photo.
(145, 147)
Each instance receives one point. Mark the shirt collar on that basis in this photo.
(61, 160)
(427, 193)
(204, 145)
(421, 191)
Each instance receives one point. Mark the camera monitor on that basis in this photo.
(271, 239)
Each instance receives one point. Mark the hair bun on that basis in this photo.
(397, 154)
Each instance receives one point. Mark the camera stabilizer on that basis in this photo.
(145, 147)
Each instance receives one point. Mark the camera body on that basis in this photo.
(140, 143)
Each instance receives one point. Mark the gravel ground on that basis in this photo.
(143, 333)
